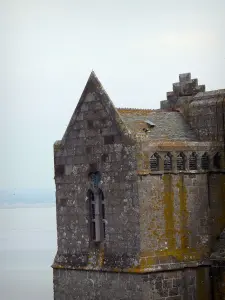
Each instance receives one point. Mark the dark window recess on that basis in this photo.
(93, 168)
(154, 162)
(90, 196)
(93, 211)
(97, 222)
(103, 211)
(91, 201)
(109, 139)
(90, 124)
(59, 170)
(101, 196)
(104, 229)
(205, 161)
(63, 201)
(193, 161)
(88, 150)
(93, 234)
(168, 162)
(217, 161)
(104, 157)
(181, 162)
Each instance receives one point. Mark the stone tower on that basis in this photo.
(140, 198)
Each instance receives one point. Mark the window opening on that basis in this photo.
(168, 162)
(193, 161)
(154, 162)
(96, 209)
(59, 170)
(109, 139)
(102, 201)
(93, 231)
(217, 161)
(91, 199)
(205, 161)
(181, 162)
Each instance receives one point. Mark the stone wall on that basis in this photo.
(217, 204)
(156, 221)
(187, 207)
(187, 284)
(206, 115)
(174, 218)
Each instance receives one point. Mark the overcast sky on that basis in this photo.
(136, 48)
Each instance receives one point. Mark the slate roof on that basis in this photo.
(219, 248)
(167, 125)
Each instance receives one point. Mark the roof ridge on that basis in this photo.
(127, 110)
(130, 108)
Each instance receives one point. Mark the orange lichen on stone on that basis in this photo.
(101, 257)
(168, 196)
(134, 111)
(175, 145)
(183, 212)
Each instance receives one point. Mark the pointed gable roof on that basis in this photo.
(94, 86)
(168, 125)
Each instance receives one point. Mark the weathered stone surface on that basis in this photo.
(88, 285)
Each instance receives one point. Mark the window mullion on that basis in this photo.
(97, 218)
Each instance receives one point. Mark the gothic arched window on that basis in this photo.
(96, 209)
(181, 162)
(193, 161)
(154, 162)
(168, 162)
(205, 161)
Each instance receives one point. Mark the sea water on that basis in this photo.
(27, 249)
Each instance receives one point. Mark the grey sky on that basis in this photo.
(136, 48)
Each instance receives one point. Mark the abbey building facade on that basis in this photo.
(140, 198)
